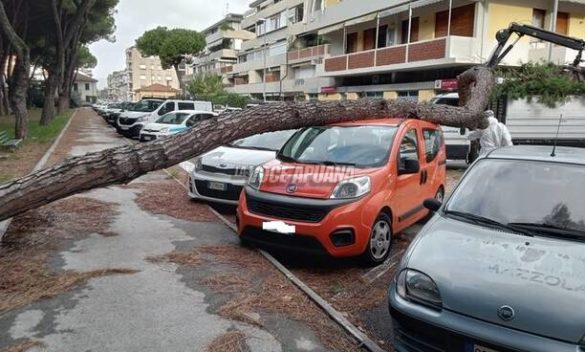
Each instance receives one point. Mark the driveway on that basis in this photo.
(140, 267)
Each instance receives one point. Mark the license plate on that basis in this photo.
(278, 227)
(218, 186)
(479, 348)
(147, 138)
(124, 127)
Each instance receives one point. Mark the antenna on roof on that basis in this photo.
(227, 8)
(553, 154)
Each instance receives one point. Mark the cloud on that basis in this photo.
(134, 17)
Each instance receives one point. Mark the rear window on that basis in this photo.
(433, 141)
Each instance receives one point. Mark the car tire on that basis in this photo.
(380, 242)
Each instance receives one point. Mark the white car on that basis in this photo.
(173, 122)
(220, 175)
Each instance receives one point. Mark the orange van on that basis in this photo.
(345, 189)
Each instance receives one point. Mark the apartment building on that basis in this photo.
(118, 86)
(346, 49)
(146, 71)
(224, 41)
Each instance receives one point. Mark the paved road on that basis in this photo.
(154, 309)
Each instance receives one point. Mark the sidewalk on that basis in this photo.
(142, 268)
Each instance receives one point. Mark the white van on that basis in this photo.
(130, 124)
(455, 138)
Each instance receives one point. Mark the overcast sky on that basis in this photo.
(134, 17)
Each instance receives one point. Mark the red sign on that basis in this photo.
(328, 90)
(446, 84)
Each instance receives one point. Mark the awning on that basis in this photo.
(404, 7)
(362, 19)
(330, 29)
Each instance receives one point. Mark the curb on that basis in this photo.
(39, 165)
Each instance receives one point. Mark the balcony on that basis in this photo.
(308, 54)
(434, 52)
(539, 51)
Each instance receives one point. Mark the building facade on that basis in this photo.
(146, 71)
(84, 89)
(346, 49)
(118, 86)
(224, 41)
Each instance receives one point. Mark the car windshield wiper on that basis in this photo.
(553, 230)
(285, 158)
(336, 163)
(477, 219)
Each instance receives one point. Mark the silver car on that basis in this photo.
(220, 174)
(501, 265)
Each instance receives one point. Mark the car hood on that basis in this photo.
(478, 270)
(308, 180)
(229, 158)
(153, 126)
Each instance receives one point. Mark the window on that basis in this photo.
(277, 49)
(413, 31)
(374, 94)
(562, 23)
(87, 86)
(142, 77)
(538, 18)
(75, 88)
(408, 148)
(317, 5)
(168, 107)
(462, 22)
(142, 67)
(186, 106)
(433, 141)
(296, 14)
(408, 94)
(369, 39)
(383, 36)
(351, 43)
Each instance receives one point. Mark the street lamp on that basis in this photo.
(263, 21)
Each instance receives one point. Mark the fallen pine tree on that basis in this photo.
(123, 164)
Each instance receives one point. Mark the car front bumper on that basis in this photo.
(323, 220)
(130, 130)
(418, 328)
(199, 187)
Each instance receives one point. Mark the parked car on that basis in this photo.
(132, 124)
(172, 123)
(113, 116)
(220, 174)
(137, 112)
(501, 265)
(112, 110)
(345, 189)
(458, 146)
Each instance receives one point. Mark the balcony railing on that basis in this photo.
(400, 54)
(309, 53)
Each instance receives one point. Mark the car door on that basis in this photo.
(435, 162)
(407, 202)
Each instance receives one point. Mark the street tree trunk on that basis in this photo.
(51, 86)
(123, 164)
(180, 78)
(18, 95)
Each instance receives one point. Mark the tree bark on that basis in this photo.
(18, 95)
(51, 86)
(123, 164)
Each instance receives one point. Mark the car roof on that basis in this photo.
(540, 153)
(195, 112)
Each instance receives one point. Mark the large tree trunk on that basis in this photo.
(123, 164)
(18, 95)
(51, 86)
(180, 78)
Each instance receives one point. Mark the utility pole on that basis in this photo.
(263, 21)
(553, 27)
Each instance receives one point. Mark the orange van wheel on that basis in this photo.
(380, 242)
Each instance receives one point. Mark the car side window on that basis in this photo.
(433, 141)
(165, 109)
(408, 148)
(186, 106)
(191, 121)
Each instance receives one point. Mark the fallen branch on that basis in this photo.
(123, 164)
